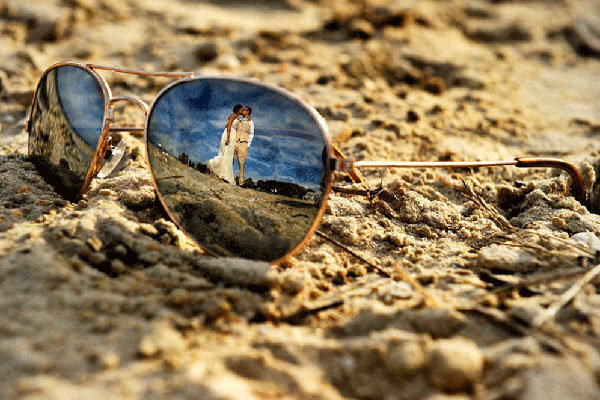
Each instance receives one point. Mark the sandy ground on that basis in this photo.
(105, 299)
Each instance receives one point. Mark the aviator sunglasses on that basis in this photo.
(199, 133)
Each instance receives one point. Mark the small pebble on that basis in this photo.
(227, 61)
(454, 365)
(109, 360)
(97, 258)
(293, 282)
(95, 243)
(359, 28)
(147, 348)
(588, 238)
(434, 85)
(439, 322)
(148, 229)
(106, 192)
(179, 296)
(208, 51)
(412, 116)
(405, 359)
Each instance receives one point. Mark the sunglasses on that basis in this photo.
(198, 133)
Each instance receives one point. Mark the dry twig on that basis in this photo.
(495, 216)
(566, 297)
(541, 279)
(429, 299)
(355, 254)
(499, 318)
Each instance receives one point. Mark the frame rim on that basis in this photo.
(323, 129)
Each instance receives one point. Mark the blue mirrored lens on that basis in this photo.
(82, 102)
(256, 196)
(65, 125)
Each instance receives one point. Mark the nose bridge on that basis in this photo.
(141, 104)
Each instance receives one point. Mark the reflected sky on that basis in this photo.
(287, 144)
(82, 101)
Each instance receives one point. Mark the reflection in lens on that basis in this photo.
(65, 125)
(278, 148)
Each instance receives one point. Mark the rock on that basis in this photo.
(399, 290)
(506, 258)
(21, 356)
(209, 51)
(525, 311)
(412, 116)
(583, 33)
(392, 13)
(324, 79)
(359, 28)
(439, 322)
(162, 339)
(454, 365)
(96, 258)
(293, 282)
(347, 228)
(589, 239)
(560, 379)
(148, 229)
(106, 192)
(434, 85)
(227, 61)
(95, 243)
(137, 198)
(400, 239)
(405, 359)
(238, 271)
(341, 115)
(179, 296)
(168, 230)
(45, 21)
(109, 360)
(150, 257)
(513, 32)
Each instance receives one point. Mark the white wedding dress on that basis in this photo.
(222, 164)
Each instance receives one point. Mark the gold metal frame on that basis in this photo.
(336, 161)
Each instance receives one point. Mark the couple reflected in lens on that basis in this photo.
(236, 139)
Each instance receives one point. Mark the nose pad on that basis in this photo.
(112, 157)
(114, 147)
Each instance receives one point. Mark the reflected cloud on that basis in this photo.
(82, 102)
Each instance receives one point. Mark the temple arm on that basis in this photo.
(166, 74)
(577, 186)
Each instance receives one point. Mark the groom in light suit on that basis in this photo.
(245, 134)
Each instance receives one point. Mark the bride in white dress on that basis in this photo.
(222, 164)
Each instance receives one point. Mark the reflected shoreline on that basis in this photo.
(231, 220)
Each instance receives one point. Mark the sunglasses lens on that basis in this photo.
(258, 194)
(65, 125)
